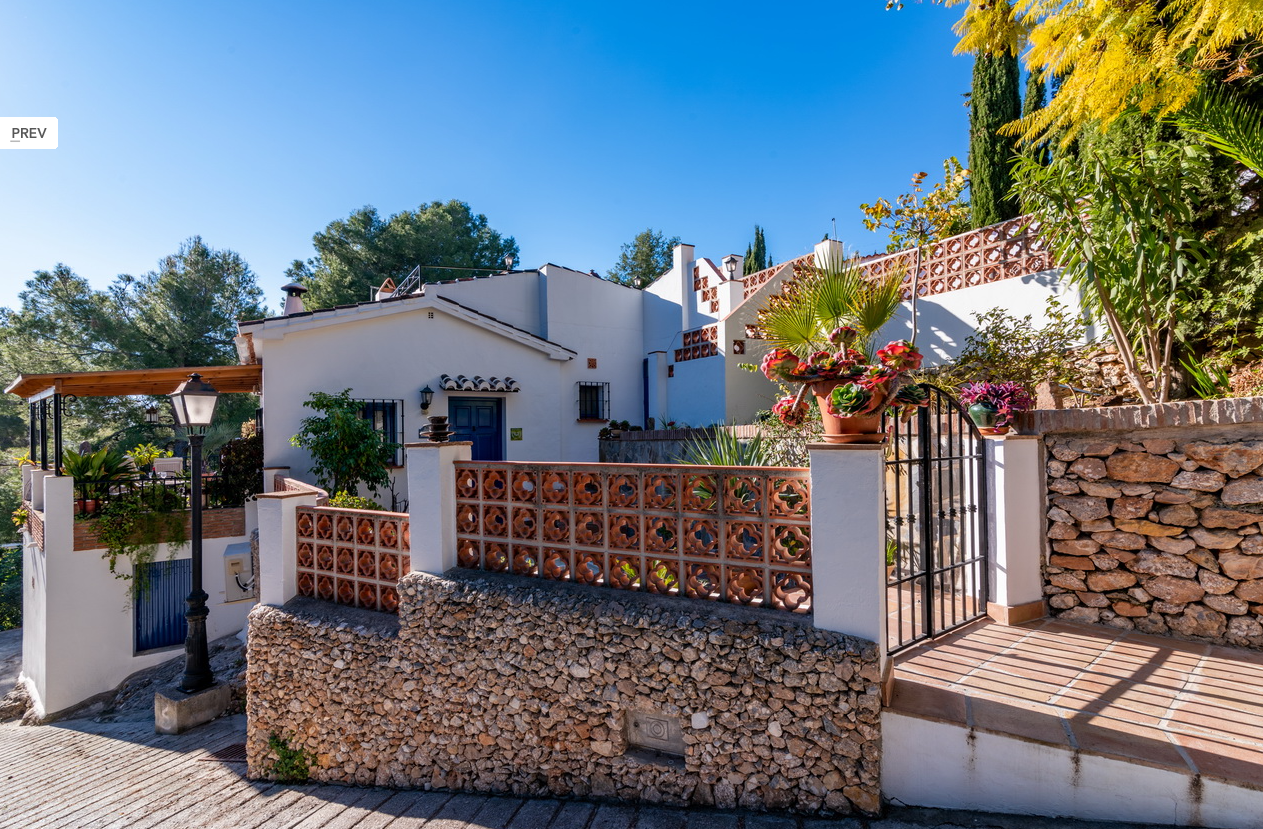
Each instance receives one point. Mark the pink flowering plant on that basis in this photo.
(864, 386)
(1008, 399)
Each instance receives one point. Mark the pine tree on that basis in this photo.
(757, 257)
(994, 101)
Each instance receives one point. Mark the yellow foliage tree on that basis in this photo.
(1114, 55)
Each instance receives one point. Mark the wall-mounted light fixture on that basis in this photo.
(427, 397)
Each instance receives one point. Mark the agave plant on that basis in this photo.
(723, 448)
(821, 299)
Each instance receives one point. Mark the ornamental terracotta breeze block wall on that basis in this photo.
(494, 683)
(1158, 532)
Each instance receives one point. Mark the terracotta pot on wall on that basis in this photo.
(855, 429)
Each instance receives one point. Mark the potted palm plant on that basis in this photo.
(851, 391)
(820, 334)
(94, 473)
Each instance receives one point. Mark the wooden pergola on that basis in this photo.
(47, 394)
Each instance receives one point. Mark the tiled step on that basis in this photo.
(1167, 722)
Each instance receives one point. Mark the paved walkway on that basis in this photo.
(89, 775)
(10, 658)
(1189, 707)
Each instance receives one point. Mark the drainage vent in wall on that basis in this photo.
(655, 738)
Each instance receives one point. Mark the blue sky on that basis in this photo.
(571, 125)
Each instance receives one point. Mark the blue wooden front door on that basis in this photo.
(479, 420)
(158, 603)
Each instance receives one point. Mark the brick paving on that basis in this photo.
(85, 774)
(1190, 707)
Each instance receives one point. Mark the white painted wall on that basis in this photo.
(1016, 480)
(936, 764)
(945, 321)
(513, 297)
(78, 633)
(602, 321)
(391, 350)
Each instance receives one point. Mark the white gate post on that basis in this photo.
(432, 503)
(1016, 483)
(278, 544)
(848, 539)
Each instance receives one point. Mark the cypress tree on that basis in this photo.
(994, 101)
(1033, 101)
(756, 254)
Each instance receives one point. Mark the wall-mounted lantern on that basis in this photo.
(427, 397)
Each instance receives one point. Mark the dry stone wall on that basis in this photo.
(497, 684)
(1158, 534)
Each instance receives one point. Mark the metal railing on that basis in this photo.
(353, 557)
(734, 534)
(153, 494)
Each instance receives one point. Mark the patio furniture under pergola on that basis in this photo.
(46, 394)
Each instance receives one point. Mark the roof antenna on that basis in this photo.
(835, 229)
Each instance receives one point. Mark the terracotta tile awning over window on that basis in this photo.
(462, 383)
(152, 381)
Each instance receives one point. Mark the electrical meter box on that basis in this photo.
(238, 573)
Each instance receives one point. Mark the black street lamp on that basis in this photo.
(194, 404)
(427, 397)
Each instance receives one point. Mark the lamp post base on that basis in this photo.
(197, 670)
(175, 711)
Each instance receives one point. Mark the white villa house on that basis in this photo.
(530, 364)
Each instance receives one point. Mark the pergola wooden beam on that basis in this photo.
(147, 381)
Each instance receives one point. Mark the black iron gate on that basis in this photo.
(936, 523)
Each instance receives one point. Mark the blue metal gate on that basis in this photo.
(158, 603)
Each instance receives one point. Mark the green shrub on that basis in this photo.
(1005, 348)
(241, 469)
(10, 588)
(346, 500)
(291, 764)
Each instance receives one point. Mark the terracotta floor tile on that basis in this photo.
(1217, 757)
(927, 701)
(1007, 685)
(1215, 715)
(1236, 656)
(1140, 667)
(1119, 738)
(1036, 666)
(1232, 670)
(944, 666)
(1091, 635)
(1227, 692)
(1031, 721)
(1145, 704)
(1166, 643)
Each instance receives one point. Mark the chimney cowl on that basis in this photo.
(294, 298)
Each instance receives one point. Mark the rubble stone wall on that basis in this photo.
(491, 683)
(1158, 531)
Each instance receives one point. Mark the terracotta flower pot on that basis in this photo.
(854, 429)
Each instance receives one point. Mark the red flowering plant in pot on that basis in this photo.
(851, 390)
(992, 406)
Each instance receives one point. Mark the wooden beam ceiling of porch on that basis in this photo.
(150, 381)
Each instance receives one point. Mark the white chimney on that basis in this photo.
(294, 298)
(828, 252)
(682, 264)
